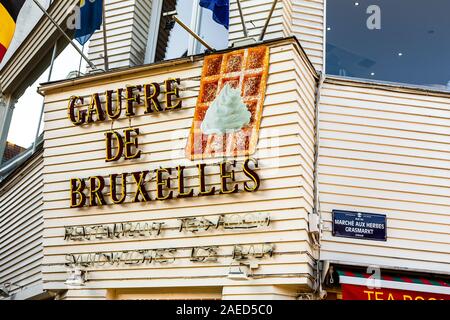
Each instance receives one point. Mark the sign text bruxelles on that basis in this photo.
(99, 190)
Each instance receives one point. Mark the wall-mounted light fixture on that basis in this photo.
(4, 293)
(5, 289)
(237, 272)
(76, 278)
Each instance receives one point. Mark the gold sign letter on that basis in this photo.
(172, 92)
(162, 183)
(114, 114)
(181, 193)
(97, 185)
(123, 187)
(110, 136)
(77, 116)
(95, 107)
(252, 175)
(201, 176)
(139, 178)
(224, 176)
(131, 99)
(77, 197)
(151, 94)
(130, 143)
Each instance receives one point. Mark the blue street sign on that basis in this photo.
(359, 225)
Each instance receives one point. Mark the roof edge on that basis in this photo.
(18, 163)
(387, 86)
(51, 86)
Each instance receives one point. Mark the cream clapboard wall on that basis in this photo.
(255, 13)
(286, 173)
(385, 150)
(128, 27)
(307, 21)
(21, 227)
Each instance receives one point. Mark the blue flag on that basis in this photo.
(91, 17)
(220, 9)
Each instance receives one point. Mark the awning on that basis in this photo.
(362, 286)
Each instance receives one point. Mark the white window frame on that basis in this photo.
(155, 19)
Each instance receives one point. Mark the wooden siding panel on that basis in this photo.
(127, 25)
(286, 166)
(21, 226)
(385, 150)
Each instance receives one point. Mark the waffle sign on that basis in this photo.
(230, 104)
(226, 124)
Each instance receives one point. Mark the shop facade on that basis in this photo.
(186, 217)
(323, 187)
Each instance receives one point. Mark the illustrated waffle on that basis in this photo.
(246, 70)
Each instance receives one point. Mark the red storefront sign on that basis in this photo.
(354, 292)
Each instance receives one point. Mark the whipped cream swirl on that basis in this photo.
(227, 114)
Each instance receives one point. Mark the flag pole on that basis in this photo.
(263, 33)
(173, 14)
(244, 28)
(65, 35)
(105, 44)
(81, 61)
(50, 71)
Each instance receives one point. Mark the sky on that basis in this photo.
(26, 114)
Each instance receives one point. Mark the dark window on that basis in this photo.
(404, 41)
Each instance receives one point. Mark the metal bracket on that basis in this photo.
(173, 15)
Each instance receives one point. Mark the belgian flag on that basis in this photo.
(9, 10)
